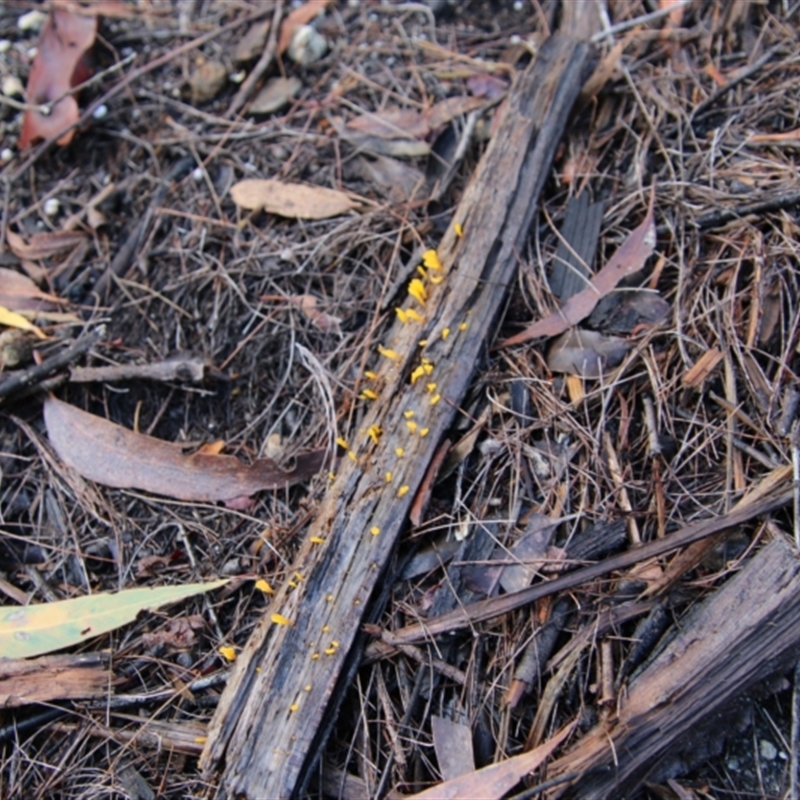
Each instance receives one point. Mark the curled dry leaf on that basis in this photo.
(114, 456)
(408, 123)
(43, 245)
(586, 353)
(60, 65)
(629, 258)
(294, 200)
(19, 293)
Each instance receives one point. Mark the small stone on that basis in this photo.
(51, 207)
(12, 86)
(197, 174)
(101, 112)
(768, 750)
(307, 46)
(207, 81)
(6, 155)
(31, 21)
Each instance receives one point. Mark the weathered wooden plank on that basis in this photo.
(278, 705)
(740, 635)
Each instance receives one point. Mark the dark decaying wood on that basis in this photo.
(281, 700)
(735, 639)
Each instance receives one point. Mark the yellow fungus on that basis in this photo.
(424, 432)
(389, 477)
(263, 586)
(299, 576)
(292, 585)
(370, 375)
(314, 656)
(436, 279)
(200, 739)
(401, 315)
(421, 272)
(463, 326)
(342, 442)
(331, 476)
(334, 643)
(417, 373)
(445, 333)
(375, 432)
(415, 315)
(435, 399)
(403, 491)
(352, 456)
(423, 342)
(430, 258)
(386, 353)
(408, 414)
(330, 651)
(326, 628)
(329, 598)
(316, 540)
(428, 368)
(374, 530)
(400, 452)
(279, 619)
(431, 387)
(458, 229)
(417, 290)
(307, 687)
(228, 653)
(411, 425)
(293, 707)
(368, 394)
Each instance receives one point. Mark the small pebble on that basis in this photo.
(12, 86)
(31, 21)
(768, 750)
(518, 5)
(51, 207)
(6, 155)
(101, 112)
(197, 174)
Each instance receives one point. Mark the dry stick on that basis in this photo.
(24, 380)
(127, 80)
(279, 706)
(498, 606)
(262, 66)
(794, 764)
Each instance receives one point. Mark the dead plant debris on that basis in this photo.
(243, 225)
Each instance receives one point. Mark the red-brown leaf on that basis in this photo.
(59, 65)
(114, 456)
(629, 258)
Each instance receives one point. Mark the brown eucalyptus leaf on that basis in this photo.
(586, 353)
(294, 200)
(629, 258)
(19, 293)
(43, 245)
(114, 456)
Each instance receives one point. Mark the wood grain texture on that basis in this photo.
(278, 706)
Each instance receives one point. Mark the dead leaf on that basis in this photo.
(325, 322)
(629, 258)
(494, 781)
(398, 181)
(43, 245)
(452, 742)
(300, 16)
(60, 64)
(19, 293)
(408, 123)
(487, 86)
(12, 319)
(277, 93)
(586, 353)
(252, 44)
(294, 200)
(114, 456)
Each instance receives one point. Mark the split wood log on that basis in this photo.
(281, 700)
(739, 636)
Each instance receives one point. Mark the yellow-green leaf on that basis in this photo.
(27, 631)
(14, 320)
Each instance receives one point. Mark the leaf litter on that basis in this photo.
(699, 416)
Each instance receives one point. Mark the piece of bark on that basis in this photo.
(59, 677)
(277, 709)
(743, 633)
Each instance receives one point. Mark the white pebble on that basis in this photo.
(12, 86)
(51, 207)
(518, 5)
(31, 21)
(197, 174)
(6, 155)
(767, 750)
(514, 38)
(100, 112)
(307, 46)
(237, 77)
